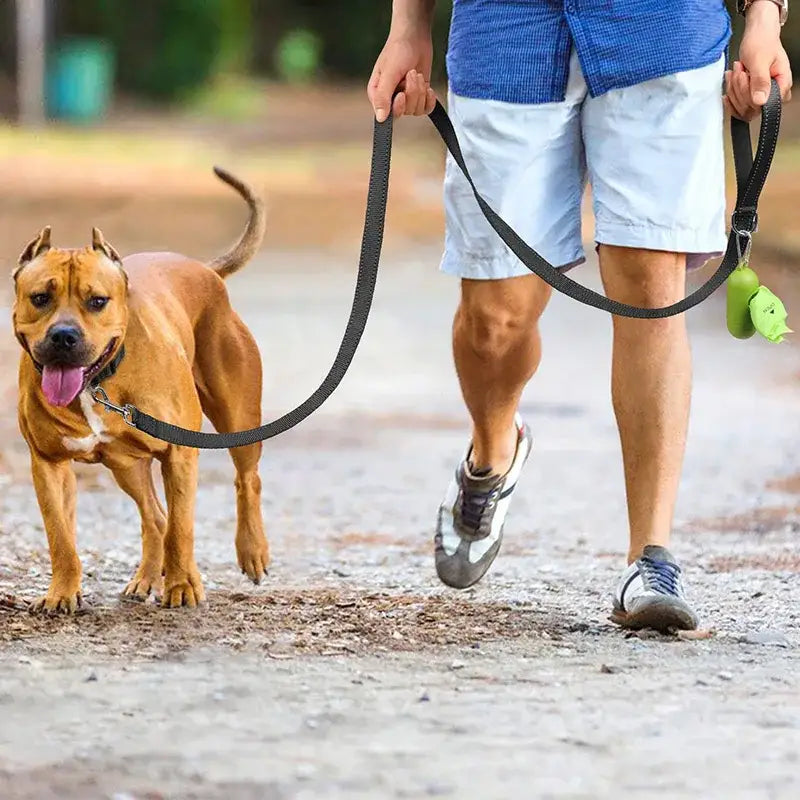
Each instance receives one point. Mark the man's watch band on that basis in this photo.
(783, 5)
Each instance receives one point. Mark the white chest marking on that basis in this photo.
(86, 444)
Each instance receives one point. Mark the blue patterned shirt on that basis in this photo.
(518, 50)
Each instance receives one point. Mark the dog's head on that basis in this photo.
(70, 312)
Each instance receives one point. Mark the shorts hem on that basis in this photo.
(699, 245)
(488, 269)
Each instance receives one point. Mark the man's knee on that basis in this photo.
(496, 317)
(645, 278)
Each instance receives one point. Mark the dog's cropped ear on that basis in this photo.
(102, 246)
(34, 248)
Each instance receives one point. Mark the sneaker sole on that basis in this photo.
(459, 573)
(662, 615)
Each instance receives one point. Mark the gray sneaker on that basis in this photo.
(650, 594)
(469, 528)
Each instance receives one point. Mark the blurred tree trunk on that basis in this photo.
(238, 33)
(271, 19)
(31, 27)
(8, 60)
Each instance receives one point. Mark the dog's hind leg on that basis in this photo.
(137, 482)
(252, 548)
(229, 384)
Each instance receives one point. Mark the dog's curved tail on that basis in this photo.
(250, 240)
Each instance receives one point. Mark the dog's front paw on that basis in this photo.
(58, 600)
(183, 589)
(146, 581)
(252, 554)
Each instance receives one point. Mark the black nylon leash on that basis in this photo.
(751, 173)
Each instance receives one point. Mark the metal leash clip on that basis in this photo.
(744, 231)
(126, 412)
(744, 255)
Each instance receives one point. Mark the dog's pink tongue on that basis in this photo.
(61, 385)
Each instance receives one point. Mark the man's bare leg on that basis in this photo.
(497, 349)
(651, 391)
(651, 380)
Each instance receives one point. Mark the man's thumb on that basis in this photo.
(759, 83)
(383, 93)
(381, 110)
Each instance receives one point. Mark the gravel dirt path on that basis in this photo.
(351, 672)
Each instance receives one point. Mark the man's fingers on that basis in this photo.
(728, 106)
(410, 90)
(737, 94)
(740, 94)
(784, 79)
(422, 93)
(430, 101)
(726, 103)
(399, 105)
(740, 84)
(733, 109)
(728, 98)
(415, 99)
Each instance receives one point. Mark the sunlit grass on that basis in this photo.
(99, 148)
(236, 98)
(64, 142)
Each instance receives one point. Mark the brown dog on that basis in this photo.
(158, 330)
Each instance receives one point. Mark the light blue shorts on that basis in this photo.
(653, 154)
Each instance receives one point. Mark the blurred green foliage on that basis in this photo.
(351, 33)
(163, 49)
(297, 57)
(167, 48)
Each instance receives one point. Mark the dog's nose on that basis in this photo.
(64, 337)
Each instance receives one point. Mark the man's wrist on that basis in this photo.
(412, 17)
(764, 11)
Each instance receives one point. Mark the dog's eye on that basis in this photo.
(97, 303)
(40, 300)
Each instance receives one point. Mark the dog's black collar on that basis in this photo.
(108, 370)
